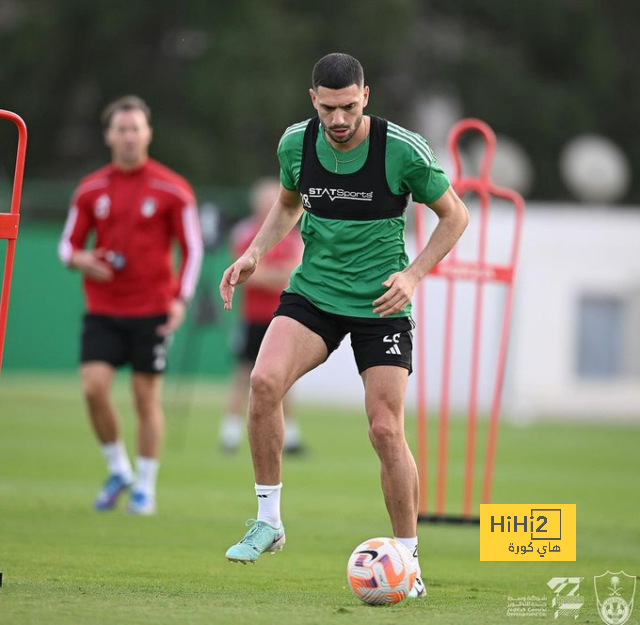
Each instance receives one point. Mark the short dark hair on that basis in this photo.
(337, 71)
(125, 103)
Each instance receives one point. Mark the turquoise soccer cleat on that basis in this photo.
(260, 538)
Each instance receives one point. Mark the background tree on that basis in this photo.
(225, 78)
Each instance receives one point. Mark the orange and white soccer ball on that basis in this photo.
(381, 570)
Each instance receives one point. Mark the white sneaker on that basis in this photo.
(292, 439)
(231, 432)
(418, 590)
(141, 503)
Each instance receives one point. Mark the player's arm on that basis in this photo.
(186, 229)
(453, 218)
(282, 217)
(423, 177)
(71, 250)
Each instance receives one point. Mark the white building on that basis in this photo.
(575, 332)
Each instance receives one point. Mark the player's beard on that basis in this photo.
(346, 138)
(129, 157)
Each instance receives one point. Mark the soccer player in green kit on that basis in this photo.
(349, 176)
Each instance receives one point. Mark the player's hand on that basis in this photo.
(238, 273)
(175, 317)
(400, 287)
(91, 264)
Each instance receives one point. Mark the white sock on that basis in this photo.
(269, 504)
(412, 545)
(117, 460)
(146, 472)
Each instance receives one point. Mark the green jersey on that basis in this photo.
(353, 224)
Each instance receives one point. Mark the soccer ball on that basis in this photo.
(381, 571)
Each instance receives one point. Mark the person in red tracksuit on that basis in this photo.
(136, 209)
(261, 298)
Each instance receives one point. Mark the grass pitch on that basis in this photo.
(65, 564)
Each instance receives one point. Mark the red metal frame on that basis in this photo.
(9, 222)
(481, 272)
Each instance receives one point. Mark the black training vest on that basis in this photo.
(362, 195)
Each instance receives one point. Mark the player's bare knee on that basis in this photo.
(385, 434)
(146, 392)
(265, 384)
(145, 399)
(94, 390)
(148, 409)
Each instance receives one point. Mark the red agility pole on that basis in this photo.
(9, 222)
(481, 273)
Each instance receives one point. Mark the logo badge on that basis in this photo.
(567, 601)
(614, 593)
(149, 206)
(340, 194)
(159, 357)
(527, 532)
(102, 206)
(395, 339)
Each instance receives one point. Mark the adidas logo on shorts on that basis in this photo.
(395, 339)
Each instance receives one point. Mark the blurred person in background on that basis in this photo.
(349, 176)
(261, 297)
(136, 209)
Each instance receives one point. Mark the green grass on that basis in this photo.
(64, 563)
